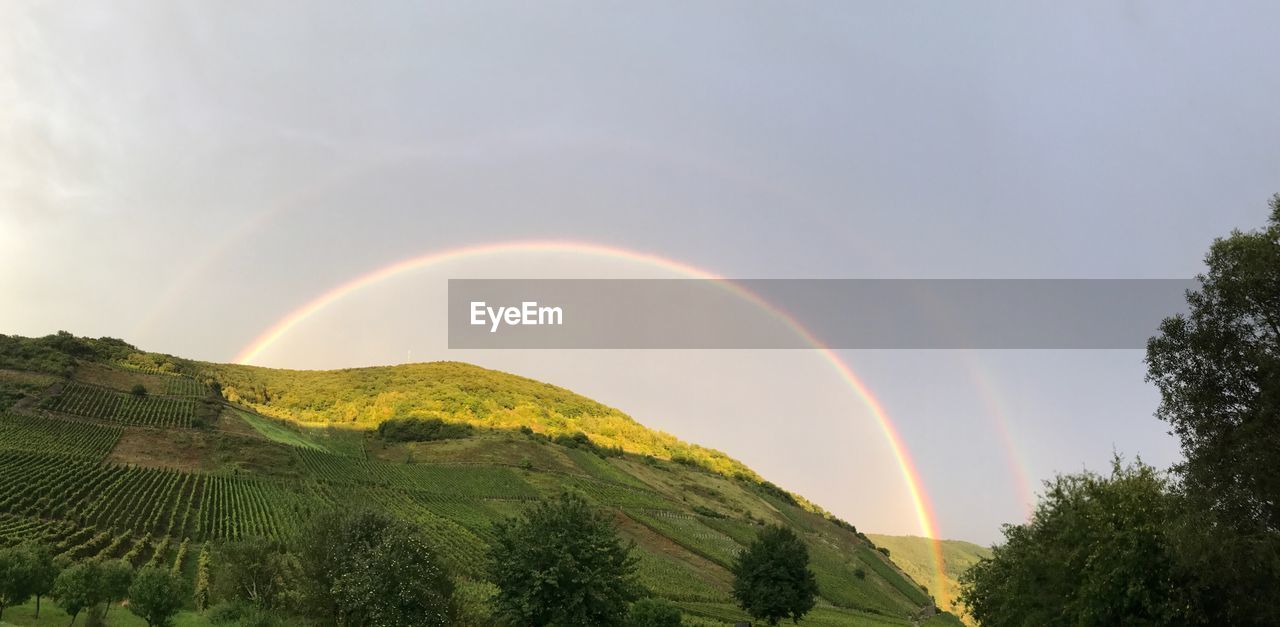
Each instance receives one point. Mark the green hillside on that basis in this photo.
(210, 452)
(914, 555)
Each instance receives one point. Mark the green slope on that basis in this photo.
(914, 555)
(96, 471)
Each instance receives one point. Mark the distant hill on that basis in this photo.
(914, 555)
(106, 450)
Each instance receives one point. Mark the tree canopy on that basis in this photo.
(772, 580)
(562, 564)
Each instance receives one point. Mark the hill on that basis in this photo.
(914, 555)
(106, 450)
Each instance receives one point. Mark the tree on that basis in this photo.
(397, 581)
(1218, 372)
(1097, 551)
(654, 613)
(771, 578)
(369, 568)
(156, 595)
(116, 577)
(77, 587)
(43, 570)
(255, 570)
(15, 578)
(138, 389)
(561, 563)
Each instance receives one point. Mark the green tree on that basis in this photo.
(771, 578)
(78, 587)
(1097, 551)
(156, 595)
(562, 564)
(43, 570)
(138, 389)
(116, 577)
(654, 613)
(15, 578)
(396, 581)
(1218, 372)
(255, 570)
(367, 568)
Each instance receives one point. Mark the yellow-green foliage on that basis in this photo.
(365, 397)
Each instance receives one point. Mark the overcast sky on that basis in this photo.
(183, 174)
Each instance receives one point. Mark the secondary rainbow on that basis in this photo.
(920, 501)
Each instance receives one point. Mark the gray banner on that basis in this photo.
(794, 313)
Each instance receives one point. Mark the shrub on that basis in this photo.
(654, 613)
(414, 429)
(138, 389)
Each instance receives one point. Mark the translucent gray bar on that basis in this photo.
(796, 313)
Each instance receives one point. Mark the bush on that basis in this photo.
(415, 429)
(242, 614)
(883, 550)
(138, 389)
(654, 613)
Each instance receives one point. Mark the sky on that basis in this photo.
(182, 175)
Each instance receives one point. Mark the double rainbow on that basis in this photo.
(910, 475)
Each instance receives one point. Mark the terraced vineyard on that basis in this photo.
(72, 437)
(148, 411)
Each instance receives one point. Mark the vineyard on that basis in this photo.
(148, 411)
(78, 438)
(161, 476)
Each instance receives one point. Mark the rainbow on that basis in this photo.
(911, 477)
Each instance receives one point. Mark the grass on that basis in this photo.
(51, 615)
(279, 431)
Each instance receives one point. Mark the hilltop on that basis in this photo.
(106, 450)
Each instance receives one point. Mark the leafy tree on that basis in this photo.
(78, 587)
(771, 578)
(116, 577)
(368, 568)
(15, 578)
(397, 581)
(1097, 551)
(138, 389)
(562, 564)
(654, 613)
(1218, 372)
(42, 570)
(255, 570)
(156, 595)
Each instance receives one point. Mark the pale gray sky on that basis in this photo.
(183, 174)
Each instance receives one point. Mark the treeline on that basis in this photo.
(1200, 544)
(561, 563)
(92, 586)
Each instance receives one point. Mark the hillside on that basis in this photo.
(914, 555)
(214, 452)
